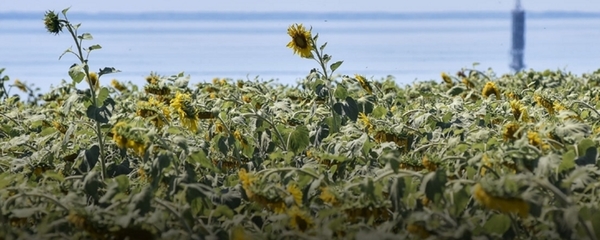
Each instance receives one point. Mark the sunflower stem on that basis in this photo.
(86, 69)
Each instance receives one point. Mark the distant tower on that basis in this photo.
(518, 37)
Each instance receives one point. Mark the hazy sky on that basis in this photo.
(301, 5)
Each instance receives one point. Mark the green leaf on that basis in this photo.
(94, 47)
(461, 199)
(76, 73)
(299, 139)
(101, 114)
(64, 11)
(434, 183)
(323, 46)
(91, 184)
(456, 90)
(340, 92)
(379, 112)
(90, 159)
(70, 50)
(199, 157)
(25, 212)
(498, 223)
(142, 202)
(102, 96)
(336, 65)
(584, 145)
(568, 161)
(223, 210)
(351, 109)
(107, 70)
(86, 36)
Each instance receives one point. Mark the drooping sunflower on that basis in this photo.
(118, 85)
(510, 130)
(299, 219)
(364, 83)
(501, 204)
(52, 23)
(489, 89)
(296, 193)
(519, 111)
(20, 85)
(188, 115)
(366, 122)
(301, 41)
(447, 79)
(94, 81)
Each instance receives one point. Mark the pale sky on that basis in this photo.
(300, 5)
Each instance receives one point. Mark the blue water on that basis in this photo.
(244, 46)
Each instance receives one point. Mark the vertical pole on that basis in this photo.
(518, 38)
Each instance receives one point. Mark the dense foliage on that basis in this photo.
(472, 155)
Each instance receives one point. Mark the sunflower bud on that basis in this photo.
(52, 23)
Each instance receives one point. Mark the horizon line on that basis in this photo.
(273, 15)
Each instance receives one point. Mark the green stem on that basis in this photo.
(94, 100)
(254, 114)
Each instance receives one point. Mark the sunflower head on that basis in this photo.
(301, 41)
(52, 23)
(489, 89)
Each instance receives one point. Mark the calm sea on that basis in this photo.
(410, 47)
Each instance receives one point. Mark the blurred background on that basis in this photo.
(240, 39)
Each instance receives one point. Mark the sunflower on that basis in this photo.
(365, 121)
(504, 205)
(301, 41)
(510, 130)
(364, 83)
(20, 85)
(117, 132)
(327, 196)
(94, 81)
(188, 115)
(52, 23)
(118, 85)
(447, 79)
(519, 111)
(296, 193)
(544, 102)
(489, 89)
(299, 219)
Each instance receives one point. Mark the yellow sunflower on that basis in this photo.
(503, 205)
(94, 81)
(301, 41)
(188, 115)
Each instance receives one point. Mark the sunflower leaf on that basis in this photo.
(336, 65)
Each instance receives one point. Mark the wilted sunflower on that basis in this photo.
(296, 193)
(447, 79)
(118, 85)
(509, 131)
(20, 85)
(299, 219)
(503, 205)
(544, 102)
(364, 83)
(365, 121)
(519, 111)
(489, 89)
(94, 81)
(301, 41)
(188, 115)
(327, 196)
(52, 23)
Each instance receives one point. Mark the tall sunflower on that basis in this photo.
(301, 41)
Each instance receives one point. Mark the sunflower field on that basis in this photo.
(472, 155)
